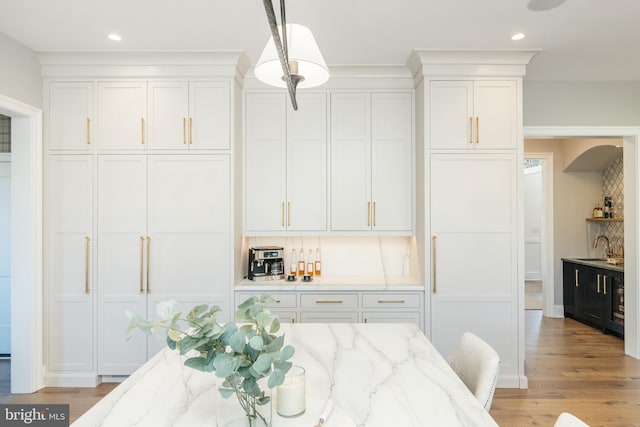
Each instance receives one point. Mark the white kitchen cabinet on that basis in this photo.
(286, 163)
(371, 162)
(329, 316)
(70, 116)
(164, 233)
(70, 246)
(189, 115)
(473, 221)
(122, 115)
(473, 115)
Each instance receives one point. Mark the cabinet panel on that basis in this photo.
(350, 162)
(387, 300)
(451, 114)
(70, 289)
(329, 301)
(210, 113)
(329, 316)
(391, 162)
(122, 112)
(71, 116)
(392, 317)
(265, 162)
(495, 107)
(168, 115)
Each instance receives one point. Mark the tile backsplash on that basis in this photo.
(613, 186)
(5, 134)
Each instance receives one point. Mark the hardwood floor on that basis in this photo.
(571, 367)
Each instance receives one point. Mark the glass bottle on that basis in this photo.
(293, 270)
(310, 264)
(301, 264)
(318, 263)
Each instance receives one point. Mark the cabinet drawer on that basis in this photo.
(283, 299)
(329, 301)
(390, 300)
(286, 316)
(329, 317)
(391, 317)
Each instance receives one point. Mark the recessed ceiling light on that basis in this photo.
(114, 37)
(517, 36)
(540, 5)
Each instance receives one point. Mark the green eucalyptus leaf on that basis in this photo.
(276, 378)
(256, 343)
(225, 365)
(171, 343)
(275, 345)
(283, 366)
(275, 325)
(237, 342)
(250, 385)
(264, 319)
(226, 392)
(287, 353)
(198, 311)
(262, 364)
(167, 309)
(248, 303)
(195, 363)
(175, 335)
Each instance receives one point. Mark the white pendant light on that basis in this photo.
(305, 59)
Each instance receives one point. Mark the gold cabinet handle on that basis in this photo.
(282, 213)
(141, 264)
(88, 130)
(293, 320)
(288, 214)
(368, 214)
(477, 130)
(598, 286)
(184, 130)
(577, 278)
(375, 221)
(605, 284)
(86, 265)
(391, 301)
(148, 264)
(328, 301)
(142, 130)
(190, 130)
(470, 130)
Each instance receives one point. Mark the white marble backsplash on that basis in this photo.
(350, 256)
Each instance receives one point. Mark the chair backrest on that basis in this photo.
(477, 364)
(567, 420)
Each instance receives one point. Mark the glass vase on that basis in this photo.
(244, 410)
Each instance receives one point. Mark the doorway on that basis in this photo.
(532, 183)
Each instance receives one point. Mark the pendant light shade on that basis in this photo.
(305, 59)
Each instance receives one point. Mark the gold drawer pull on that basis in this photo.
(368, 214)
(605, 284)
(328, 301)
(577, 278)
(391, 301)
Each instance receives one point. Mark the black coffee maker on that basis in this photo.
(266, 263)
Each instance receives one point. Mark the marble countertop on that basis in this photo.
(374, 374)
(336, 283)
(596, 262)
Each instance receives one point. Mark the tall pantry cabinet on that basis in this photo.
(472, 214)
(138, 209)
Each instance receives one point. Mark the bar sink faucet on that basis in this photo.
(607, 251)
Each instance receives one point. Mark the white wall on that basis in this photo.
(581, 103)
(574, 196)
(20, 76)
(5, 253)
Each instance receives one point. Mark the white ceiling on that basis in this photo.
(580, 39)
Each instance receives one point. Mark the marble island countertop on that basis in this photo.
(374, 375)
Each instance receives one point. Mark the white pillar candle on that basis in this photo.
(291, 393)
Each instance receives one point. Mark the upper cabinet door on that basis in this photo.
(168, 115)
(391, 162)
(495, 110)
(478, 115)
(351, 206)
(71, 115)
(451, 115)
(307, 164)
(265, 162)
(209, 116)
(122, 109)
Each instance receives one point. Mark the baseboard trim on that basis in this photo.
(71, 380)
(557, 312)
(512, 381)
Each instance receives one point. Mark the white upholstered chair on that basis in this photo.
(567, 420)
(477, 364)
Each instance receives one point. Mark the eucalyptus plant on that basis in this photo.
(240, 353)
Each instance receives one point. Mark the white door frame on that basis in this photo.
(26, 245)
(631, 140)
(546, 234)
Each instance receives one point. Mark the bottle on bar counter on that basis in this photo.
(293, 270)
(318, 263)
(310, 264)
(301, 264)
